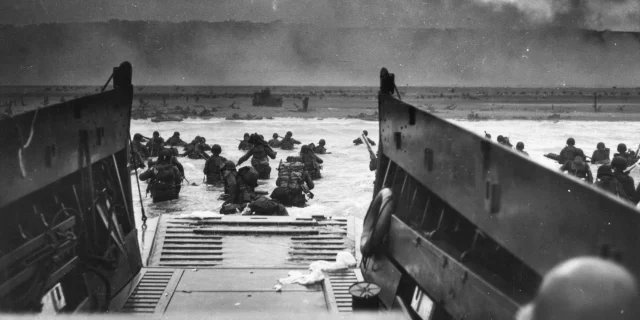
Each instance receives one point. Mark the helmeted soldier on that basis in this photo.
(601, 154)
(175, 140)
(288, 141)
(274, 143)
(585, 288)
(520, 148)
(568, 152)
(320, 149)
(165, 178)
(578, 168)
(259, 153)
(619, 164)
(213, 164)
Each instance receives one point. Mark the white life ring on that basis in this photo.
(376, 222)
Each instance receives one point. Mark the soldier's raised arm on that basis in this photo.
(272, 154)
(245, 157)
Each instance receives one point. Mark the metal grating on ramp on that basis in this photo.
(337, 285)
(320, 247)
(240, 241)
(153, 292)
(182, 248)
(323, 246)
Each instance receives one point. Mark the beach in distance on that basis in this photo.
(472, 103)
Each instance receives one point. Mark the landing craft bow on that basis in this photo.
(69, 237)
(473, 232)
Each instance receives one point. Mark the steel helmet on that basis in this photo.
(622, 148)
(619, 163)
(228, 165)
(604, 170)
(321, 142)
(574, 290)
(571, 141)
(164, 155)
(216, 149)
(520, 145)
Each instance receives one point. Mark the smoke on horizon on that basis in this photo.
(201, 53)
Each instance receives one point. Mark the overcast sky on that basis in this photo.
(623, 15)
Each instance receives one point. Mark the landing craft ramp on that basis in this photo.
(231, 263)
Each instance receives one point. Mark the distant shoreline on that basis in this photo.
(476, 104)
(18, 88)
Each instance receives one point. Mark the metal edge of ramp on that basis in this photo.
(336, 287)
(153, 292)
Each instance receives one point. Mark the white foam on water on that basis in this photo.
(189, 166)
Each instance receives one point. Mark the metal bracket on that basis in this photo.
(492, 196)
(428, 159)
(50, 154)
(438, 232)
(397, 137)
(472, 252)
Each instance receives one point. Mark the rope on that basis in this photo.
(124, 197)
(135, 167)
(23, 171)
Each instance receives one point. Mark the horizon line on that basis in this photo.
(281, 22)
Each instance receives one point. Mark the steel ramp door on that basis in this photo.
(230, 291)
(230, 265)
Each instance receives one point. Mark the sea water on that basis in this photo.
(347, 184)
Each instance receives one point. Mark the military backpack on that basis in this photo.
(290, 176)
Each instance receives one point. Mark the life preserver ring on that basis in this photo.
(376, 222)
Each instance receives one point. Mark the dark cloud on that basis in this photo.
(594, 14)
(589, 14)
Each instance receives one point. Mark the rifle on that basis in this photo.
(628, 170)
(372, 155)
(255, 139)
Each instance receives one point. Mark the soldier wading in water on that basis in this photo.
(259, 151)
